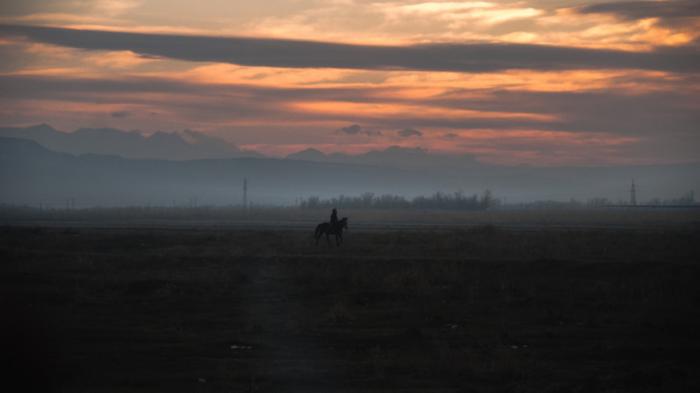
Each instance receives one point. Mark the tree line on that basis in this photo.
(439, 200)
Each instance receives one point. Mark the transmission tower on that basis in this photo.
(245, 193)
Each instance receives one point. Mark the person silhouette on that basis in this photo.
(334, 219)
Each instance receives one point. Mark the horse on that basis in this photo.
(327, 229)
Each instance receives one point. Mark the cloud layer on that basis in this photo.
(356, 129)
(409, 132)
(310, 54)
(532, 81)
(646, 9)
(499, 125)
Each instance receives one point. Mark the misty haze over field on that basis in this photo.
(110, 167)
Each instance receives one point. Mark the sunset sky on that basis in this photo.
(539, 82)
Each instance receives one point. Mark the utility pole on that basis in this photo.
(245, 193)
(633, 194)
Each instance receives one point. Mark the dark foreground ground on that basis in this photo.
(481, 309)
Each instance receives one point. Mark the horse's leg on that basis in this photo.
(328, 238)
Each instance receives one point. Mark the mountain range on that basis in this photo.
(395, 156)
(32, 174)
(192, 145)
(184, 145)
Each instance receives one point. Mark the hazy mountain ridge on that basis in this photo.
(395, 156)
(32, 174)
(192, 145)
(184, 145)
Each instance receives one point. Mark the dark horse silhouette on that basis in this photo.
(325, 228)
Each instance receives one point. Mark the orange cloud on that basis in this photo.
(117, 59)
(394, 110)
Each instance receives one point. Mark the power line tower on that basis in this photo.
(245, 192)
(633, 194)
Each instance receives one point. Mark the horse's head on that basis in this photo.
(343, 223)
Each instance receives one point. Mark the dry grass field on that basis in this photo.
(295, 217)
(475, 309)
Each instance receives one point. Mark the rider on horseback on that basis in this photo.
(334, 227)
(334, 219)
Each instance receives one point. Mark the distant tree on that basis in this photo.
(486, 199)
(311, 203)
(367, 199)
(655, 202)
(598, 202)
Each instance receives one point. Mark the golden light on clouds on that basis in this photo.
(520, 112)
(457, 14)
(117, 59)
(413, 111)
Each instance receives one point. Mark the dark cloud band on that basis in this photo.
(310, 54)
(646, 9)
(409, 132)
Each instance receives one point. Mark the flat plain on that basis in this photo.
(481, 308)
